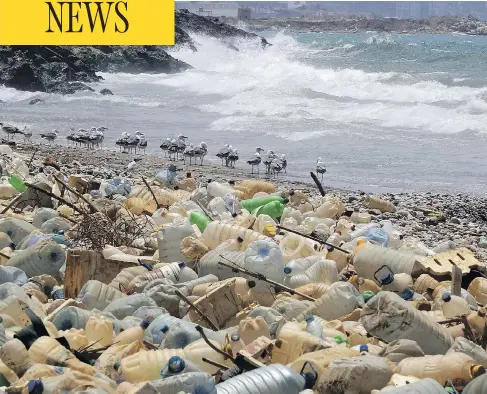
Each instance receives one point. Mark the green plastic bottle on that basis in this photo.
(254, 203)
(200, 219)
(367, 295)
(274, 209)
(16, 182)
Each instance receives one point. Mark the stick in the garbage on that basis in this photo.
(468, 330)
(263, 278)
(313, 239)
(12, 203)
(484, 337)
(210, 344)
(205, 211)
(151, 192)
(318, 184)
(52, 195)
(80, 196)
(215, 364)
(456, 281)
(32, 158)
(203, 316)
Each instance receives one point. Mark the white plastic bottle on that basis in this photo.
(314, 327)
(132, 334)
(454, 306)
(395, 237)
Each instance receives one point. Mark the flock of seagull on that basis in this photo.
(174, 149)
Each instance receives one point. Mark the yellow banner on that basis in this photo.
(51, 22)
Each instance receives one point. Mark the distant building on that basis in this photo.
(244, 14)
(206, 8)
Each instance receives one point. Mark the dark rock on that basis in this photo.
(106, 92)
(69, 88)
(36, 101)
(455, 220)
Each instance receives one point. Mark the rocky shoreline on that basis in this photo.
(429, 217)
(67, 69)
(357, 24)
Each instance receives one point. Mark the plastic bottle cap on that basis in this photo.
(386, 278)
(251, 284)
(364, 348)
(176, 364)
(209, 180)
(12, 245)
(144, 324)
(181, 264)
(235, 337)
(176, 187)
(239, 239)
(234, 215)
(482, 312)
(35, 387)
(231, 182)
(407, 294)
(309, 318)
(164, 328)
(188, 175)
(309, 379)
(285, 201)
(288, 270)
(477, 370)
(446, 297)
(116, 366)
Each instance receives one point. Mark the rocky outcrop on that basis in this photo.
(67, 69)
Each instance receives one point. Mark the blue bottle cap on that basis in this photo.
(386, 278)
(446, 297)
(116, 365)
(176, 364)
(407, 294)
(165, 328)
(288, 270)
(364, 348)
(181, 264)
(144, 324)
(240, 239)
(309, 318)
(35, 387)
(309, 379)
(235, 337)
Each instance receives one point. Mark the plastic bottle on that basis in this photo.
(314, 327)
(71, 317)
(199, 219)
(355, 215)
(477, 320)
(334, 239)
(44, 257)
(305, 206)
(209, 263)
(378, 236)
(95, 294)
(42, 215)
(217, 189)
(254, 203)
(388, 317)
(294, 247)
(99, 330)
(265, 257)
(231, 245)
(175, 272)
(363, 217)
(217, 232)
(395, 237)
(169, 240)
(177, 366)
(478, 289)
(441, 368)
(323, 271)
(125, 276)
(270, 379)
(374, 202)
(132, 334)
(454, 306)
(396, 283)
(330, 208)
(274, 209)
(361, 230)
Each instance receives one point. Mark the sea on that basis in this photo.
(385, 112)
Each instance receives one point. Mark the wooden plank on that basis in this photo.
(456, 281)
(85, 265)
(443, 263)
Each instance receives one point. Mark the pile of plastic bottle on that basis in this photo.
(233, 289)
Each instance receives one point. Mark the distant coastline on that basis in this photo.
(360, 24)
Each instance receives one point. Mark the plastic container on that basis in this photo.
(323, 271)
(295, 247)
(340, 299)
(373, 202)
(175, 272)
(254, 203)
(95, 294)
(217, 189)
(441, 368)
(273, 209)
(217, 232)
(388, 317)
(44, 257)
(169, 241)
(266, 258)
(249, 329)
(132, 334)
(478, 289)
(99, 330)
(270, 379)
(314, 327)
(453, 306)
(332, 207)
(42, 215)
(191, 382)
(199, 219)
(369, 258)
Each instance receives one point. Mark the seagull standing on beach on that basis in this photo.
(256, 160)
(200, 152)
(51, 136)
(188, 152)
(284, 163)
(142, 142)
(320, 167)
(269, 157)
(165, 146)
(11, 130)
(121, 142)
(232, 157)
(224, 152)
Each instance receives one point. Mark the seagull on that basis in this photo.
(122, 141)
(284, 163)
(232, 157)
(276, 166)
(320, 167)
(11, 130)
(95, 137)
(165, 146)
(180, 144)
(27, 135)
(224, 152)
(142, 141)
(256, 160)
(201, 151)
(173, 149)
(51, 136)
(132, 142)
(188, 152)
(268, 160)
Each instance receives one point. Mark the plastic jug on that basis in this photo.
(463, 345)
(266, 258)
(217, 232)
(441, 368)
(132, 334)
(125, 307)
(273, 209)
(330, 208)
(231, 245)
(398, 283)
(15, 356)
(270, 379)
(99, 330)
(250, 329)
(169, 240)
(388, 317)
(208, 265)
(199, 219)
(323, 271)
(477, 320)
(254, 203)
(340, 299)
(374, 202)
(71, 317)
(125, 276)
(453, 306)
(478, 289)
(314, 327)
(294, 247)
(95, 294)
(42, 215)
(44, 257)
(191, 382)
(263, 222)
(217, 189)
(76, 338)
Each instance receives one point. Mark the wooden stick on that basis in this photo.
(80, 196)
(151, 192)
(313, 239)
(215, 364)
(12, 203)
(318, 184)
(210, 344)
(203, 316)
(32, 158)
(263, 278)
(468, 330)
(75, 208)
(205, 211)
(4, 255)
